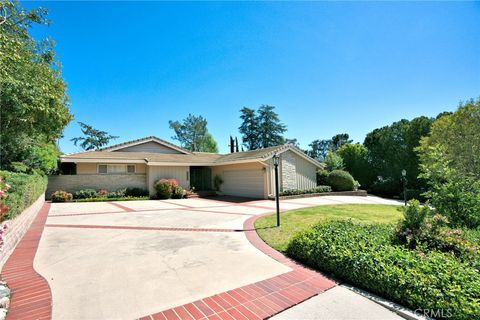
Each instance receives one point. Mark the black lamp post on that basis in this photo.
(276, 160)
(404, 178)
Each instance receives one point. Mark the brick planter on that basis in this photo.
(17, 227)
(358, 193)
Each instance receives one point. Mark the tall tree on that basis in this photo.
(92, 139)
(339, 140)
(355, 159)
(193, 135)
(208, 144)
(457, 136)
(270, 128)
(319, 149)
(249, 128)
(392, 149)
(33, 100)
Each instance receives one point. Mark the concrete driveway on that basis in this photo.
(125, 260)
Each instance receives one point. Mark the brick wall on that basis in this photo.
(17, 228)
(111, 182)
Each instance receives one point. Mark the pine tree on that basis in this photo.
(270, 128)
(249, 128)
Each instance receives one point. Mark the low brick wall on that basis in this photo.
(111, 182)
(17, 228)
(359, 193)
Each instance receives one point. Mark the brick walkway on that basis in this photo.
(31, 296)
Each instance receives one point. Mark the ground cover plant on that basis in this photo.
(420, 261)
(92, 195)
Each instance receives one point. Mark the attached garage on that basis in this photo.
(244, 183)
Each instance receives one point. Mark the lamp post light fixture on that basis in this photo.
(276, 160)
(404, 178)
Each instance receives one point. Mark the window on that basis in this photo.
(116, 168)
(102, 168)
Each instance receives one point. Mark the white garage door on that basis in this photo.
(243, 183)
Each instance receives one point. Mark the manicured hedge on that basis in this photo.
(341, 180)
(24, 190)
(319, 189)
(364, 256)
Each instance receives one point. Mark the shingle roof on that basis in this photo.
(142, 140)
(199, 158)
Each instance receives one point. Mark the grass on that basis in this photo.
(299, 220)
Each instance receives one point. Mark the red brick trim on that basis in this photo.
(127, 209)
(31, 295)
(259, 300)
(88, 226)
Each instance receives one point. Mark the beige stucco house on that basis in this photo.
(141, 162)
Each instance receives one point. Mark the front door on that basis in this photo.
(201, 178)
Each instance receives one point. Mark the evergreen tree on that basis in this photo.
(93, 138)
(270, 128)
(249, 128)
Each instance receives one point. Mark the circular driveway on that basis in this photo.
(125, 260)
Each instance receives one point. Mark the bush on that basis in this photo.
(322, 177)
(333, 161)
(459, 200)
(177, 192)
(136, 192)
(426, 230)
(217, 182)
(319, 189)
(61, 196)
(24, 190)
(164, 188)
(385, 187)
(341, 180)
(364, 256)
(85, 193)
(120, 193)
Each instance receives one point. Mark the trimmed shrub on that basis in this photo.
(177, 192)
(364, 256)
(24, 190)
(136, 192)
(341, 180)
(319, 189)
(61, 196)
(322, 177)
(85, 193)
(164, 188)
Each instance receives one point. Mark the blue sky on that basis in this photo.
(328, 67)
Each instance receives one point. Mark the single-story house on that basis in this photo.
(140, 163)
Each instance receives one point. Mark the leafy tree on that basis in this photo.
(208, 144)
(193, 134)
(450, 163)
(270, 128)
(355, 159)
(319, 149)
(339, 140)
(392, 149)
(33, 100)
(249, 128)
(262, 128)
(93, 139)
(333, 161)
(457, 135)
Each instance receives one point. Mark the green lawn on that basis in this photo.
(298, 220)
